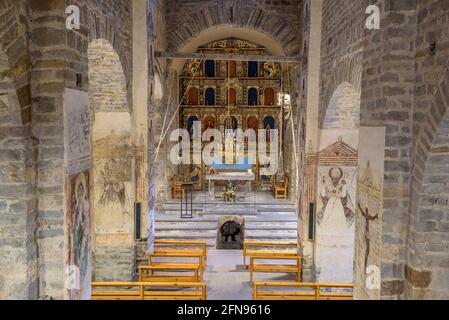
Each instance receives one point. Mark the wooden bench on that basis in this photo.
(201, 247)
(275, 268)
(302, 291)
(153, 273)
(149, 291)
(177, 255)
(251, 252)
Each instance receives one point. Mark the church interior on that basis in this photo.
(224, 150)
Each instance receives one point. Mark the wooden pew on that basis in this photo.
(275, 268)
(170, 273)
(148, 291)
(247, 252)
(177, 255)
(302, 291)
(201, 247)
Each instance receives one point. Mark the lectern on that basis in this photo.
(187, 188)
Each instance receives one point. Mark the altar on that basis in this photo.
(230, 177)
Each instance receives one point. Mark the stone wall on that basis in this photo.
(35, 211)
(17, 160)
(427, 260)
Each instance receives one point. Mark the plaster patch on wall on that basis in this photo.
(77, 135)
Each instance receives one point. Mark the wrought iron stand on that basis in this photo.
(187, 189)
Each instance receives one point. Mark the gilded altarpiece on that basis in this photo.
(230, 94)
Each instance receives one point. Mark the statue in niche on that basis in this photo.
(338, 210)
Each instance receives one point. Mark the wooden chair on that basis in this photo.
(253, 248)
(177, 192)
(275, 268)
(302, 291)
(148, 291)
(281, 190)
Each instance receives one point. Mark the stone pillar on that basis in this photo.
(387, 100)
(311, 67)
(140, 102)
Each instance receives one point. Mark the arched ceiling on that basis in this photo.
(272, 46)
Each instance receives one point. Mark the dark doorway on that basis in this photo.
(230, 236)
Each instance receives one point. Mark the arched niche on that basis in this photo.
(209, 68)
(210, 97)
(253, 97)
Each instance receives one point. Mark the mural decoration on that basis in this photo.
(112, 181)
(368, 235)
(335, 181)
(113, 164)
(79, 237)
(337, 205)
(77, 135)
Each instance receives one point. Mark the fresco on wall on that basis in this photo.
(336, 183)
(77, 135)
(369, 213)
(78, 237)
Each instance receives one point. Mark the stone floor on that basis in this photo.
(226, 279)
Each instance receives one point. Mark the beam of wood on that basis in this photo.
(227, 57)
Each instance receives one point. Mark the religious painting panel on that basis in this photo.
(269, 97)
(78, 232)
(369, 210)
(336, 184)
(231, 96)
(193, 96)
(232, 69)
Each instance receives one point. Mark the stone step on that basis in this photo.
(271, 236)
(172, 227)
(271, 228)
(260, 219)
(187, 236)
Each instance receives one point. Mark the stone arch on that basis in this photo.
(112, 194)
(347, 71)
(243, 14)
(209, 35)
(427, 268)
(110, 28)
(15, 55)
(343, 111)
(430, 198)
(429, 126)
